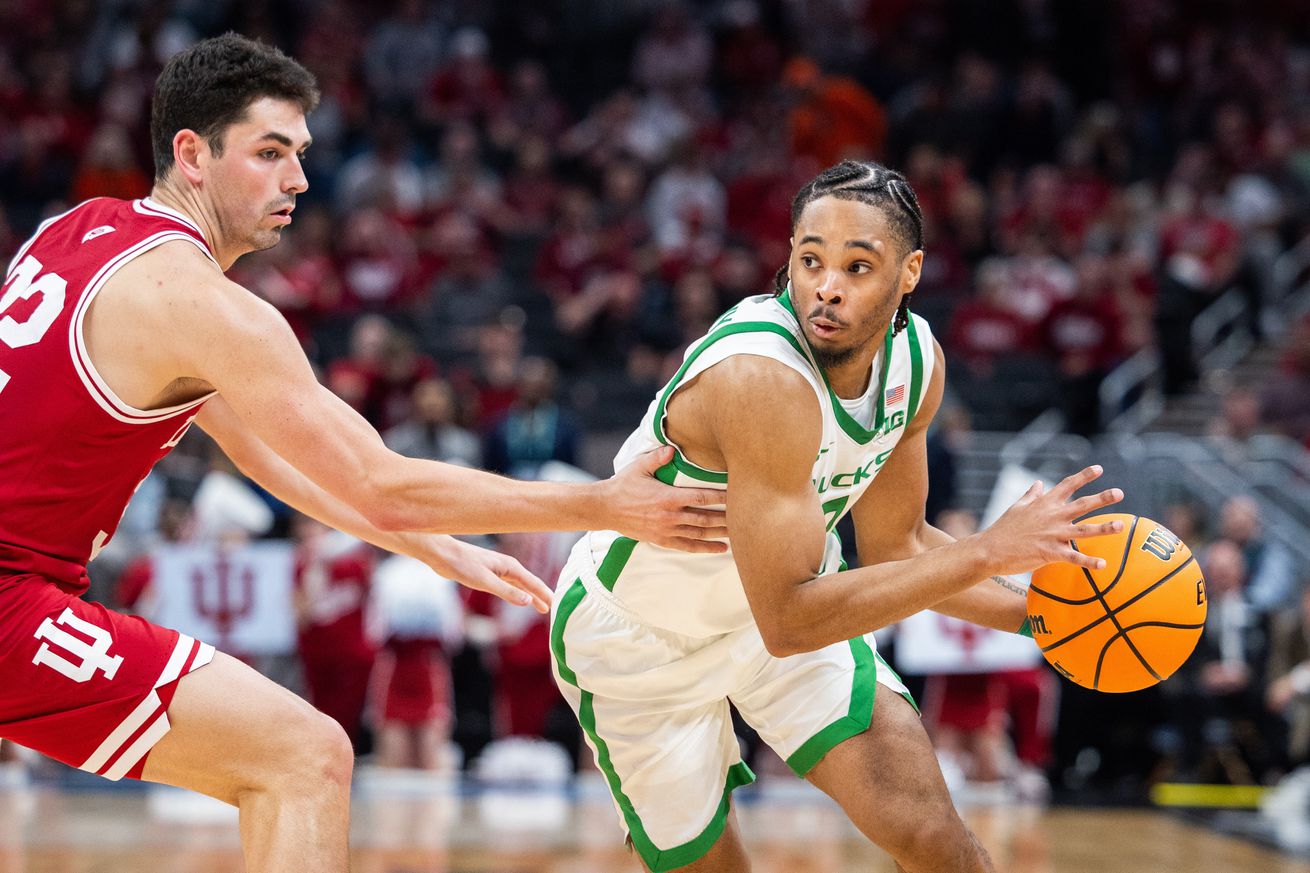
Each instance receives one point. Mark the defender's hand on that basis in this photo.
(485, 570)
(645, 509)
(1037, 529)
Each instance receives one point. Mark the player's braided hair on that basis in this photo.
(874, 184)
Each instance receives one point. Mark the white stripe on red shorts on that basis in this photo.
(146, 725)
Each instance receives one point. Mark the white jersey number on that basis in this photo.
(24, 282)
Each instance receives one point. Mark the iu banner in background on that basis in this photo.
(238, 599)
(928, 643)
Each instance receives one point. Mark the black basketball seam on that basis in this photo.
(1170, 624)
(1123, 562)
(1100, 661)
(1124, 635)
(1073, 544)
(1171, 574)
(1063, 600)
(1113, 617)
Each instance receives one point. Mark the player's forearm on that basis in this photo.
(293, 488)
(444, 498)
(839, 606)
(997, 602)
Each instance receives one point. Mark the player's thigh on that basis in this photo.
(888, 781)
(234, 730)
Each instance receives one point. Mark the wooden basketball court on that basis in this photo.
(452, 829)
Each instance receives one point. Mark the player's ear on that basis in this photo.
(187, 151)
(911, 270)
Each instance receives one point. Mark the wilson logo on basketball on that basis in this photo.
(1038, 624)
(1161, 543)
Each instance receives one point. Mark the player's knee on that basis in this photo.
(328, 754)
(937, 842)
(314, 756)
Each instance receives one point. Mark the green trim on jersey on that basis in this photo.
(864, 684)
(657, 859)
(916, 372)
(668, 474)
(679, 462)
(853, 428)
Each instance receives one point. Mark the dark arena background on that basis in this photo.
(520, 213)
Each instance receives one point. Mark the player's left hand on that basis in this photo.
(484, 570)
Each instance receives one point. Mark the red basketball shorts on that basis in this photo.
(84, 684)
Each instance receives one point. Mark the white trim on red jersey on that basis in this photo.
(40, 229)
(95, 385)
(150, 206)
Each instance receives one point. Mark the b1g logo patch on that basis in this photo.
(84, 659)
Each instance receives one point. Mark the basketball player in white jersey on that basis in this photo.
(804, 405)
(118, 330)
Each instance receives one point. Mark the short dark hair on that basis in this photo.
(874, 184)
(210, 85)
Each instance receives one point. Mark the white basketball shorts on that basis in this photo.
(653, 706)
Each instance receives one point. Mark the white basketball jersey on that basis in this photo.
(701, 595)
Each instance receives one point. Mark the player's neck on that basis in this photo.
(850, 378)
(189, 203)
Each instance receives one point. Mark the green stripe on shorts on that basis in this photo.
(616, 558)
(856, 721)
(657, 859)
(864, 687)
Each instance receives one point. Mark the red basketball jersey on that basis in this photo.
(71, 451)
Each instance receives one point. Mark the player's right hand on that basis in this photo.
(647, 510)
(484, 570)
(1037, 529)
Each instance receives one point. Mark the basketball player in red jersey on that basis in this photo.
(118, 331)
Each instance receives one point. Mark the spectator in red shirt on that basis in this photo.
(531, 190)
(1199, 256)
(403, 368)
(986, 327)
(530, 107)
(356, 377)
(379, 262)
(468, 88)
(1084, 336)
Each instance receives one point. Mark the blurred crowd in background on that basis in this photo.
(520, 213)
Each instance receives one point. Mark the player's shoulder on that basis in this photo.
(754, 311)
(183, 284)
(757, 387)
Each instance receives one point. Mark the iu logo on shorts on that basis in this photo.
(86, 658)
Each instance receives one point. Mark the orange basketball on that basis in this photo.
(1129, 625)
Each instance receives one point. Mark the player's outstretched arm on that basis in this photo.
(218, 332)
(769, 439)
(466, 564)
(890, 524)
